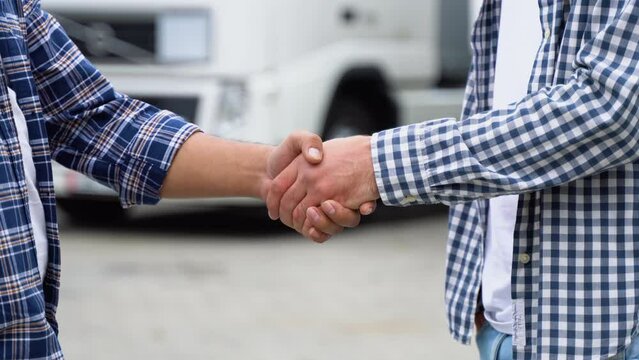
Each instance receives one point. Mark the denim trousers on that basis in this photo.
(494, 345)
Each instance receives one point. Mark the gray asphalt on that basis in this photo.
(231, 285)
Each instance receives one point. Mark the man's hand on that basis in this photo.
(206, 166)
(345, 176)
(307, 144)
(310, 146)
(319, 225)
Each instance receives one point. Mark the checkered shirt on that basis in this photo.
(76, 117)
(570, 150)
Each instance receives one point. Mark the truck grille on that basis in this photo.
(113, 39)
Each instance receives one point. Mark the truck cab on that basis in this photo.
(255, 70)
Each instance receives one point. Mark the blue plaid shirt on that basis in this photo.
(570, 150)
(74, 116)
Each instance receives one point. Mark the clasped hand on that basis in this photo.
(321, 195)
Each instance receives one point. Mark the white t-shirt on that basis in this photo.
(520, 35)
(36, 209)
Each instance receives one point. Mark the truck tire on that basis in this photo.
(349, 116)
(91, 211)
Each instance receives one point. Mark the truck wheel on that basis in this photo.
(349, 116)
(89, 211)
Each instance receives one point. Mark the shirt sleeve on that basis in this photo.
(553, 136)
(118, 141)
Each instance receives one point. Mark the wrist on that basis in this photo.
(366, 172)
(370, 180)
(263, 180)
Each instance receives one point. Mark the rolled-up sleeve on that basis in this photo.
(118, 141)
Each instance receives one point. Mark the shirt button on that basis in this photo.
(547, 33)
(524, 258)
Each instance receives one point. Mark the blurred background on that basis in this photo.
(216, 279)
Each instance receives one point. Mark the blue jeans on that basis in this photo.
(494, 345)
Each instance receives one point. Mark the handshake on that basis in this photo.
(318, 188)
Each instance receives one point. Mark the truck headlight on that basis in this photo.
(184, 36)
(232, 107)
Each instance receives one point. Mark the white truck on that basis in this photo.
(256, 70)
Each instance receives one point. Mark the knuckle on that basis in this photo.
(278, 188)
(286, 208)
(304, 174)
(287, 220)
(286, 212)
(304, 133)
(315, 138)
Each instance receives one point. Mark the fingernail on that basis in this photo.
(367, 211)
(313, 214)
(315, 153)
(328, 208)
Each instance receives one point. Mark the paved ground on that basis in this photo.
(213, 285)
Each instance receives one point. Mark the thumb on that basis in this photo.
(300, 142)
(368, 208)
(310, 145)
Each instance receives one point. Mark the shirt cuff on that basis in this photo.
(152, 154)
(399, 162)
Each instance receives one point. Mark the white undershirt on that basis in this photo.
(519, 39)
(36, 209)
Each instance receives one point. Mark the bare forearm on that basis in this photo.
(207, 166)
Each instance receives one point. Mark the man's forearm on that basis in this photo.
(207, 166)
